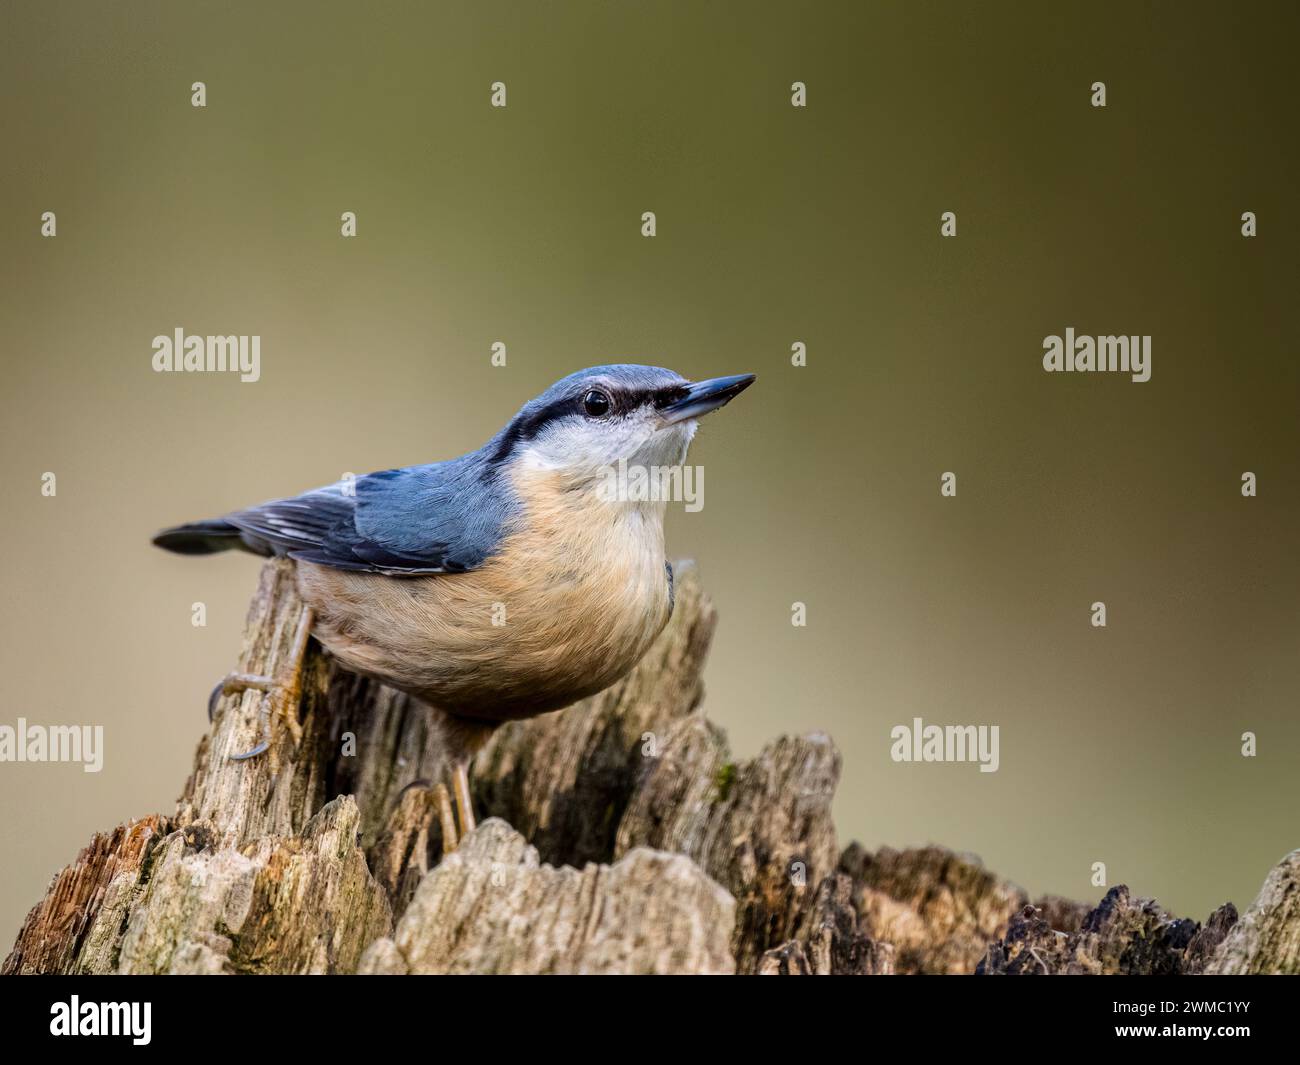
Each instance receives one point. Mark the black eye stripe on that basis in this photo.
(629, 399)
(621, 400)
(527, 426)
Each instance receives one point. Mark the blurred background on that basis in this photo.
(776, 225)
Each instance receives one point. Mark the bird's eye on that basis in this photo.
(596, 403)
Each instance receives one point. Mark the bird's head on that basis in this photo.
(589, 421)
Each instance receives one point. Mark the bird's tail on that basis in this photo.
(200, 538)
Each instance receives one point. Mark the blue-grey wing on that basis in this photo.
(444, 518)
(302, 522)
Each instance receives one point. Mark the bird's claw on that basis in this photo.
(281, 699)
(280, 705)
(252, 752)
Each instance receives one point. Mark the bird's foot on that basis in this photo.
(450, 837)
(282, 696)
(461, 739)
(464, 803)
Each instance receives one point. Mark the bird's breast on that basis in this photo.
(573, 597)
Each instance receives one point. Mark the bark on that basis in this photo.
(940, 910)
(761, 828)
(492, 907)
(622, 836)
(828, 941)
(297, 904)
(1267, 938)
(1121, 936)
(303, 870)
(73, 928)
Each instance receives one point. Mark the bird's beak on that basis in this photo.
(704, 396)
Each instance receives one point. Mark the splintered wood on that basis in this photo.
(618, 836)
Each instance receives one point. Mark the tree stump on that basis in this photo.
(620, 836)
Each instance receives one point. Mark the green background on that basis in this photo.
(775, 225)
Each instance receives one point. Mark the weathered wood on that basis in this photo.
(261, 874)
(639, 844)
(1207, 943)
(492, 907)
(940, 910)
(827, 940)
(1267, 938)
(404, 851)
(1121, 936)
(73, 928)
(297, 904)
(1061, 914)
(789, 959)
(238, 799)
(762, 828)
(144, 899)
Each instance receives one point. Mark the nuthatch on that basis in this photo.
(406, 574)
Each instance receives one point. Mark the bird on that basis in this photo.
(510, 582)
